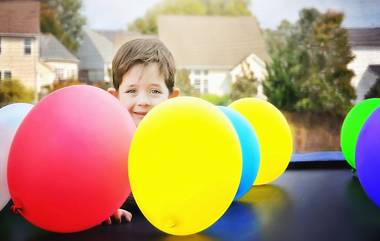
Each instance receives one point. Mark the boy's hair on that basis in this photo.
(143, 51)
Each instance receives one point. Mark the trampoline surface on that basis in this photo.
(310, 201)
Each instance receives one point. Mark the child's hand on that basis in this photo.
(118, 216)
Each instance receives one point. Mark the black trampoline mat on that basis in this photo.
(321, 203)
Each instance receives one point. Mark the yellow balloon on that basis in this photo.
(273, 132)
(184, 165)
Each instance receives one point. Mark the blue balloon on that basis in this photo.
(249, 147)
(368, 158)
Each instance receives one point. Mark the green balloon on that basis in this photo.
(352, 125)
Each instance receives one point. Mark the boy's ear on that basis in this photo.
(113, 92)
(176, 92)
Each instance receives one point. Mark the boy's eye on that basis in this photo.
(155, 91)
(131, 91)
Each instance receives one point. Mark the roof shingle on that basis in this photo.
(364, 36)
(119, 37)
(19, 17)
(53, 50)
(212, 41)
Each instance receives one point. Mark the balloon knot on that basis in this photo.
(170, 223)
(16, 209)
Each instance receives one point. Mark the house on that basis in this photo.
(19, 41)
(365, 45)
(97, 50)
(36, 59)
(95, 54)
(215, 49)
(56, 62)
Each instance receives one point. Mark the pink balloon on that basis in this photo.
(67, 167)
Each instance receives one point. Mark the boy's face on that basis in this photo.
(142, 88)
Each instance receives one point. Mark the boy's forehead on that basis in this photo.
(140, 71)
(149, 80)
(143, 75)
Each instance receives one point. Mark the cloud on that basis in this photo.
(116, 14)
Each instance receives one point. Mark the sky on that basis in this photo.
(116, 14)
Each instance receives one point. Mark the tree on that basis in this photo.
(63, 19)
(216, 99)
(245, 85)
(374, 91)
(279, 86)
(64, 83)
(12, 91)
(148, 23)
(309, 72)
(182, 81)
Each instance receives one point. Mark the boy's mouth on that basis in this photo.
(139, 114)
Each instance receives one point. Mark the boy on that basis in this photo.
(143, 76)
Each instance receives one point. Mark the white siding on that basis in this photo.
(257, 66)
(107, 71)
(364, 56)
(64, 70)
(46, 76)
(218, 81)
(12, 58)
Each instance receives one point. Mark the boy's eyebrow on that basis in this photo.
(157, 85)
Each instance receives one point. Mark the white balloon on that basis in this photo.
(11, 116)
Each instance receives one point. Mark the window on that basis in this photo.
(197, 72)
(205, 86)
(7, 74)
(0, 76)
(73, 74)
(206, 72)
(0, 45)
(28, 46)
(197, 85)
(59, 73)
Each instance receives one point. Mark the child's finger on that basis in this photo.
(118, 218)
(128, 216)
(107, 222)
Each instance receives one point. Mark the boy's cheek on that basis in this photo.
(159, 100)
(125, 102)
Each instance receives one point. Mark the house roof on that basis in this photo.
(119, 37)
(21, 17)
(104, 47)
(364, 36)
(52, 50)
(211, 41)
(95, 50)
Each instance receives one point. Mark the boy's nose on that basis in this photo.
(143, 99)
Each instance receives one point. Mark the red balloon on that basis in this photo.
(67, 167)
